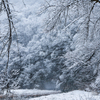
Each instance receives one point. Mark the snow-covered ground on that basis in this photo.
(74, 95)
(33, 92)
(26, 94)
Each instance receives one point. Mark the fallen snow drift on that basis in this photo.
(74, 95)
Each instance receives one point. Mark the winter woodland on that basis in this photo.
(50, 45)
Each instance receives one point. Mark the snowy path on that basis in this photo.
(27, 93)
(33, 92)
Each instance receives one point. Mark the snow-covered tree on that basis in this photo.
(6, 32)
(82, 62)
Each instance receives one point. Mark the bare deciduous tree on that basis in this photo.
(63, 13)
(6, 37)
(6, 8)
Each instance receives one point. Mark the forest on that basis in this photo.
(50, 45)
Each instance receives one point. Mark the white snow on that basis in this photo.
(55, 95)
(33, 92)
(74, 95)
